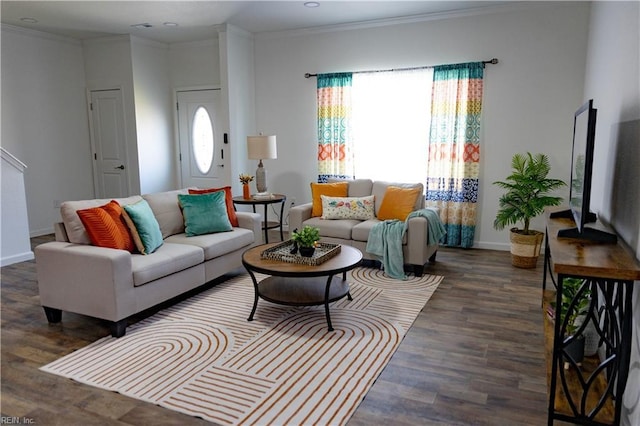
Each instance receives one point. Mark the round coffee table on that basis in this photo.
(298, 284)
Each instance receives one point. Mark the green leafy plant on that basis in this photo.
(527, 189)
(307, 237)
(571, 291)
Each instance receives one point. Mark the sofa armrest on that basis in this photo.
(418, 251)
(298, 214)
(85, 279)
(252, 222)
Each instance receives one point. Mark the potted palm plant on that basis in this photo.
(527, 194)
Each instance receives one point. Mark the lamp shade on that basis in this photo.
(261, 147)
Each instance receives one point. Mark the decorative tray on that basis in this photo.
(282, 252)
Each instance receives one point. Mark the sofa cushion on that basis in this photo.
(216, 245)
(360, 232)
(106, 227)
(73, 225)
(380, 187)
(143, 226)
(357, 187)
(358, 208)
(336, 189)
(398, 203)
(167, 259)
(204, 213)
(167, 211)
(228, 199)
(333, 228)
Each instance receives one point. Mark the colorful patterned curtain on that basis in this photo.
(335, 150)
(454, 149)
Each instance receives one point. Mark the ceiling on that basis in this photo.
(197, 20)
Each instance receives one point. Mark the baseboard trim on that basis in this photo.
(492, 246)
(17, 258)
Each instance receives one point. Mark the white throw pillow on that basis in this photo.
(358, 208)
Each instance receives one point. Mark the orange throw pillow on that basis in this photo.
(335, 189)
(228, 199)
(106, 227)
(114, 209)
(398, 202)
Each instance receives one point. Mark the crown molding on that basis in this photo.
(209, 42)
(107, 39)
(438, 16)
(39, 34)
(151, 43)
(229, 28)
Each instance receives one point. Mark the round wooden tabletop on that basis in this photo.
(275, 198)
(346, 260)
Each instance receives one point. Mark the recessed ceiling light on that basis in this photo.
(29, 20)
(312, 4)
(170, 24)
(142, 26)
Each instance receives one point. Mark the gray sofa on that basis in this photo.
(111, 284)
(416, 250)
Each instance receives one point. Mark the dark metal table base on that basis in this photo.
(301, 291)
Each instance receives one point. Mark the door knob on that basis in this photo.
(121, 167)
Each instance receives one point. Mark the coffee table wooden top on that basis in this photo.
(347, 259)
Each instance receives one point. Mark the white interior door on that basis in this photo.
(203, 157)
(109, 144)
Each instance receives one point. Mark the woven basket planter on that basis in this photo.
(525, 249)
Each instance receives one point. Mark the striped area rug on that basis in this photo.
(203, 358)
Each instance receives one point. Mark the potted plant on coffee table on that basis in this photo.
(306, 239)
(527, 194)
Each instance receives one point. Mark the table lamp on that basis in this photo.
(261, 148)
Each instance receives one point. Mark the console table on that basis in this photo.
(588, 394)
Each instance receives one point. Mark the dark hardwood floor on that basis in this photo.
(474, 356)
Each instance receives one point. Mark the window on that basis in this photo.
(202, 140)
(391, 120)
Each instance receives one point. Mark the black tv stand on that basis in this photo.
(590, 234)
(568, 214)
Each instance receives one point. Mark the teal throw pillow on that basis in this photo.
(204, 213)
(144, 226)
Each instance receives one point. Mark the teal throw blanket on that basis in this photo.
(385, 240)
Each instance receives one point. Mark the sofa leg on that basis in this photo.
(53, 315)
(118, 328)
(418, 270)
(433, 256)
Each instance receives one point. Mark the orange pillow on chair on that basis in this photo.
(335, 189)
(398, 202)
(228, 199)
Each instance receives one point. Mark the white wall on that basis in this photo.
(238, 91)
(195, 64)
(157, 159)
(44, 120)
(108, 65)
(14, 230)
(612, 70)
(529, 97)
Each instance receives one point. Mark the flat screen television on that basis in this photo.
(584, 133)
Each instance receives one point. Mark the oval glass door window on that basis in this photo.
(202, 140)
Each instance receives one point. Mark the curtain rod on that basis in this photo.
(491, 61)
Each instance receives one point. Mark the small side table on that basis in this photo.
(266, 225)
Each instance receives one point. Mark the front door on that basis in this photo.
(109, 144)
(202, 152)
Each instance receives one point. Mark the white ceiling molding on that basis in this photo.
(436, 16)
(39, 34)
